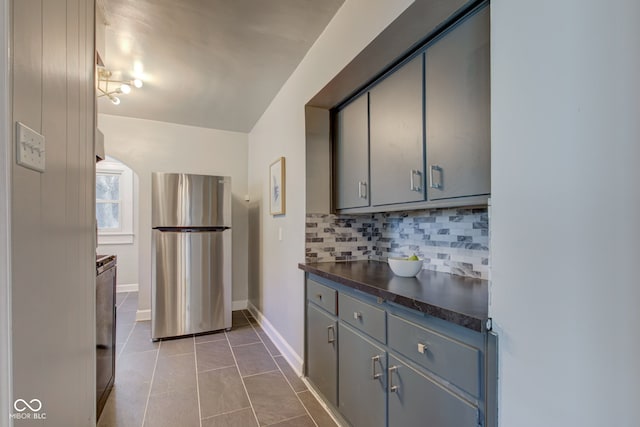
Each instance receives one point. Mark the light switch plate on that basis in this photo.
(30, 149)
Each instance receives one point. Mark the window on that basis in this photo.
(114, 202)
(108, 201)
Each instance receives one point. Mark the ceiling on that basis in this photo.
(209, 63)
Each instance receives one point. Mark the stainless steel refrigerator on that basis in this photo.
(191, 264)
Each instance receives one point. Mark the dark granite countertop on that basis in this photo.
(457, 299)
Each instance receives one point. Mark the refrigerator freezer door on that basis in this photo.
(186, 200)
(191, 290)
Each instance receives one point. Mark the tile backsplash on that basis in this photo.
(449, 240)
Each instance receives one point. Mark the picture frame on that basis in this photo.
(277, 189)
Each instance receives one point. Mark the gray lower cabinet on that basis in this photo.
(362, 380)
(352, 154)
(396, 136)
(322, 352)
(417, 400)
(457, 111)
(379, 365)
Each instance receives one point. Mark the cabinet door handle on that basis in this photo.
(362, 189)
(413, 186)
(392, 388)
(331, 334)
(357, 315)
(432, 182)
(375, 375)
(319, 296)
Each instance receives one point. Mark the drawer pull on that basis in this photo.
(375, 375)
(331, 334)
(319, 296)
(392, 388)
(422, 348)
(357, 315)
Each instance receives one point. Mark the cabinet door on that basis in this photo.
(322, 350)
(362, 384)
(395, 106)
(457, 111)
(416, 400)
(352, 154)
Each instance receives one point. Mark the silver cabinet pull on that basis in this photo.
(331, 334)
(392, 388)
(319, 296)
(432, 182)
(422, 348)
(375, 375)
(413, 186)
(362, 189)
(357, 315)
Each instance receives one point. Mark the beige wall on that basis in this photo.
(53, 219)
(148, 146)
(276, 286)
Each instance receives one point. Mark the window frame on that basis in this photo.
(124, 234)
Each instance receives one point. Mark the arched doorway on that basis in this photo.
(117, 218)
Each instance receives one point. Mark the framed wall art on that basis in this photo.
(277, 195)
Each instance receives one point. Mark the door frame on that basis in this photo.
(6, 138)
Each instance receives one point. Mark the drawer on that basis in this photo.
(322, 295)
(454, 361)
(369, 319)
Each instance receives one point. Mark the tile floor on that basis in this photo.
(236, 379)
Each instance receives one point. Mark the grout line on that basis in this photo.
(227, 413)
(321, 402)
(284, 376)
(206, 342)
(124, 344)
(261, 373)
(233, 354)
(122, 302)
(153, 376)
(289, 419)
(195, 360)
(215, 369)
(245, 345)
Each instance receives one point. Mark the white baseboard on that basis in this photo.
(132, 287)
(287, 352)
(240, 305)
(142, 315)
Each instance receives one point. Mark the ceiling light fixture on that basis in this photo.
(110, 87)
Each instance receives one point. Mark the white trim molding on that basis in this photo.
(115, 239)
(143, 315)
(240, 305)
(131, 287)
(287, 351)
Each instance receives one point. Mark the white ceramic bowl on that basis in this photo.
(404, 267)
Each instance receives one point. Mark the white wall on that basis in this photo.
(148, 146)
(566, 211)
(53, 213)
(276, 282)
(126, 253)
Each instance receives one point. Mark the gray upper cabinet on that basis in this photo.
(396, 136)
(352, 155)
(457, 111)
